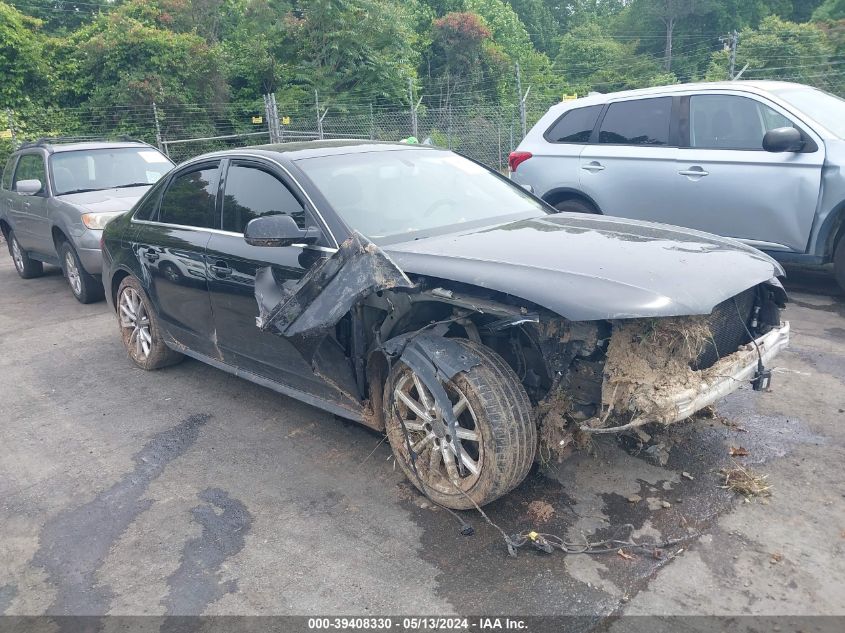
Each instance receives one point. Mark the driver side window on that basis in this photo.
(31, 167)
(251, 192)
(731, 122)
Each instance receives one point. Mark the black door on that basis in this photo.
(252, 190)
(171, 248)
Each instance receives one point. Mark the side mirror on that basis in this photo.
(278, 230)
(28, 187)
(783, 139)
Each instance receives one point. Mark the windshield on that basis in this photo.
(401, 192)
(94, 169)
(826, 109)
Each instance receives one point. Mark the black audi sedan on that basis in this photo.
(424, 295)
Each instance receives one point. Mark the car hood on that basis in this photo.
(593, 267)
(105, 200)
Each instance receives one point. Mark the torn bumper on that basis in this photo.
(726, 377)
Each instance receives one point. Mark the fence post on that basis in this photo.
(267, 114)
(449, 125)
(372, 124)
(320, 117)
(414, 106)
(499, 130)
(274, 111)
(158, 128)
(11, 118)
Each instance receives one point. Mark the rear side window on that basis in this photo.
(251, 193)
(31, 167)
(575, 126)
(189, 199)
(640, 122)
(7, 173)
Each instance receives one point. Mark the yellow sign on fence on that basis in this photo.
(285, 120)
(571, 97)
(6, 133)
(257, 119)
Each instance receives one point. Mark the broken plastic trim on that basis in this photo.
(328, 290)
(435, 360)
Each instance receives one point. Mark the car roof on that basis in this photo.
(747, 85)
(55, 146)
(312, 149)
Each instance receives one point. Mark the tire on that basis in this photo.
(839, 262)
(85, 287)
(26, 266)
(575, 205)
(498, 414)
(144, 343)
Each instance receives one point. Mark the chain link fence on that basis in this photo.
(486, 133)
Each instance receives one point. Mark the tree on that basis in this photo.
(670, 13)
(361, 49)
(21, 57)
(64, 15)
(590, 59)
(780, 49)
(830, 11)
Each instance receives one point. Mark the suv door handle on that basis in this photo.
(694, 172)
(220, 268)
(593, 166)
(151, 255)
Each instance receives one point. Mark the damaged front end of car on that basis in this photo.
(582, 377)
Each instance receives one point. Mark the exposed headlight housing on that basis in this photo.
(98, 221)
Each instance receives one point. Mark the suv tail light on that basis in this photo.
(515, 159)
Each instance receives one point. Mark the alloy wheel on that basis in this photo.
(428, 434)
(17, 255)
(135, 320)
(72, 272)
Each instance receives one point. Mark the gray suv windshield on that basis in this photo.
(95, 169)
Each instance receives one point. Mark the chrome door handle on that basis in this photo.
(593, 166)
(699, 173)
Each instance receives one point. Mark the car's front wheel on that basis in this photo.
(139, 328)
(85, 287)
(26, 266)
(498, 437)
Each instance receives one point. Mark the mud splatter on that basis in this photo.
(196, 583)
(74, 544)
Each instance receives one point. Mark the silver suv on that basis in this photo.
(758, 161)
(56, 198)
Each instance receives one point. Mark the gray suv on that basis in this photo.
(758, 161)
(56, 198)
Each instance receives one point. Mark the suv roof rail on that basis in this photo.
(46, 141)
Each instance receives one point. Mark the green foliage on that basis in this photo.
(590, 59)
(829, 11)
(21, 57)
(71, 66)
(779, 49)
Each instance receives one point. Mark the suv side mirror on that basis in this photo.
(28, 187)
(783, 139)
(278, 230)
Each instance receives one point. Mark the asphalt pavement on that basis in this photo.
(189, 491)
